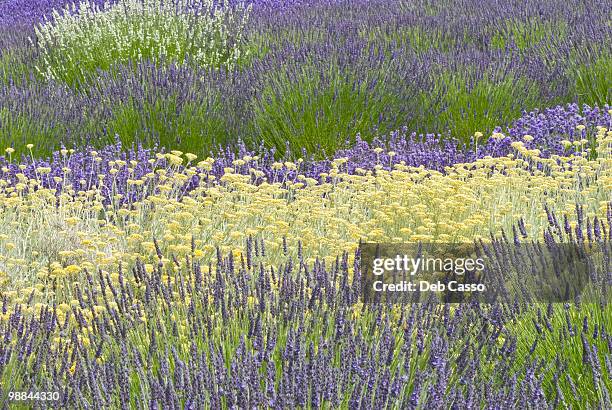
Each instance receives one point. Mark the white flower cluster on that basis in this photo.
(86, 37)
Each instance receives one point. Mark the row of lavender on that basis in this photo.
(554, 131)
(241, 333)
(320, 71)
(251, 336)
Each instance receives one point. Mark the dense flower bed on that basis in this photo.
(293, 84)
(242, 294)
(246, 334)
(557, 131)
(184, 191)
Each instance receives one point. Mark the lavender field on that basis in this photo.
(186, 186)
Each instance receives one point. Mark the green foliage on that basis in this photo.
(528, 33)
(593, 79)
(154, 119)
(565, 345)
(89, 38)
(19, 129)
(416, 38)
(13, 69)
(318, 113)
(315, 106)
(459, 106)
(193, 127)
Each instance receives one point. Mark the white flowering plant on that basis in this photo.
(86, 37)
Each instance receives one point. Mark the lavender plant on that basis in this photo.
(240, 333)
(87, 37)
(591, 79)
(560, 131)
(135, 272)
(448, 74)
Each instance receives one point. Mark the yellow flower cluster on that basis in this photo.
(42, 242)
